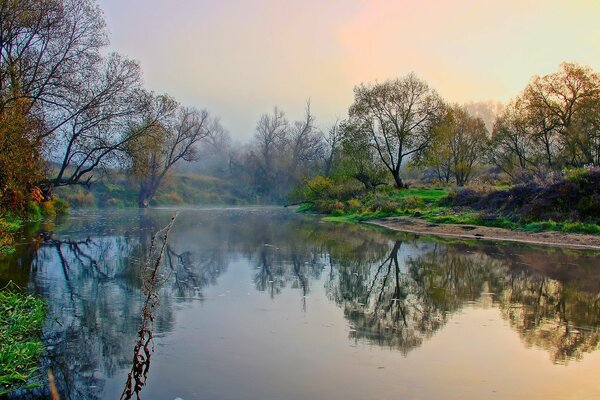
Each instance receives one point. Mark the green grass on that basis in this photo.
(21, 319)
(567, 227)
(355, 218)
(429, 195)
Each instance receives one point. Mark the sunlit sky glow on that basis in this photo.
(239, 58)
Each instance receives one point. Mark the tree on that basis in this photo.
(47, 49)
(333, 141)
(306, 147)
(438, 155)
(562, 108)
(20, 160)
(553, 123)
(512, 148)
(281, 155)
(98, 122)
(466, 141)
(358, 159)
(397, 117)
(176, 138)
(270, 139)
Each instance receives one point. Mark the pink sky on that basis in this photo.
(239, 58)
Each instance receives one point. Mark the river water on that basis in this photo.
(263, 303)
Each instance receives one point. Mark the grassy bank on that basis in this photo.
(525, 208)
(21, 319)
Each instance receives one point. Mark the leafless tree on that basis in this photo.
(96, 123)
(333, 141)
(45, 46)
(165, 144)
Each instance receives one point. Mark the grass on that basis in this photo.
(424, 203)
(21, 319)
(429, 195)
(567, 227)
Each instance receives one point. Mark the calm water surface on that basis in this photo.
(266, 304)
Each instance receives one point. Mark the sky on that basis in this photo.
(240, 58)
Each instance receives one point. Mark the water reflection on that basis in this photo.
(395, 291)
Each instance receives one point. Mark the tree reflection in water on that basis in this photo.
(399, 302)
(395, 290)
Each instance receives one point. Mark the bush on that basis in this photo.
(47, 208)
(354, 205)
(34, 212)
(329, 207)
(380, 203)
(411, 203)
(61, 206)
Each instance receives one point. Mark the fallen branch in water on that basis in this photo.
(138, 374)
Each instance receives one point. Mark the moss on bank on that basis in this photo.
(21, 319)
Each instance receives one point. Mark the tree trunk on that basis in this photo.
(398, 179)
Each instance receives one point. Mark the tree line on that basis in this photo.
(554, 123)
(70, 111)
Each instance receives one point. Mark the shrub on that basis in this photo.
(354, 205)
(380, 203)
(411, 203)
(47, 208)
(34, 212)
(318, 187)
(61, 206)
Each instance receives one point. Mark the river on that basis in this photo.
(264, 303)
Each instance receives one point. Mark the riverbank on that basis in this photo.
(549, 238)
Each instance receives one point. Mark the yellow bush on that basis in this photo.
(48, 209)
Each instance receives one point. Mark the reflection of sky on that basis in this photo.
(239, 58)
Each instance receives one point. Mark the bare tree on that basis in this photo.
(45, 46)
(166, 143)
(306, 147)
(512, 148)
(398, 117)
(333, 141)
(96, 123)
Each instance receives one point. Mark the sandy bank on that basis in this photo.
(416, 225)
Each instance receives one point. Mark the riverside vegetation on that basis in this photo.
(569, 204)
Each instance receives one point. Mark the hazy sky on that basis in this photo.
(239, 58)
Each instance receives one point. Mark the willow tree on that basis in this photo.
(398, 117)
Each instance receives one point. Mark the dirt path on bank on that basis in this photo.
(416, 225)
